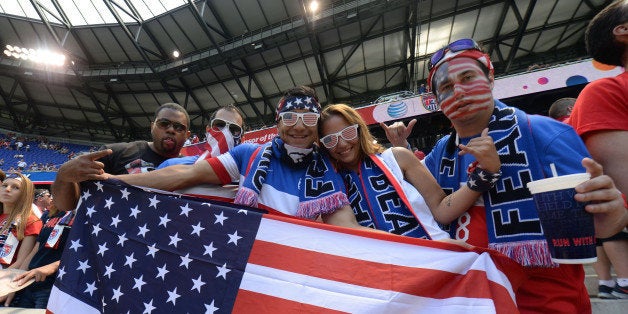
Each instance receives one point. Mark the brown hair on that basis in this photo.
(599, 38)
(23, 206)
(368, 146)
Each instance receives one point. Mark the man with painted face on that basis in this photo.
(505, 218)
(169, 130)
(288, 174)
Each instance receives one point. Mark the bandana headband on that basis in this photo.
(471, 53)
(297, 102)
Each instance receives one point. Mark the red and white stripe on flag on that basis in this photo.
(297, 267)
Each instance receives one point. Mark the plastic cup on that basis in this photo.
(568, 228)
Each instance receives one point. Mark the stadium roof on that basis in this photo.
(119, 54)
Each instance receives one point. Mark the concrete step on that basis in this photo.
(600, 306)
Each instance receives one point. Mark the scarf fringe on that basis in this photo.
(526, 253)
(325, 205)
(246, 196)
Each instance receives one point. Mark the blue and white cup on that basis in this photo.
(568, 228)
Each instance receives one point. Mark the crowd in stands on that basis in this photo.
(19, 153)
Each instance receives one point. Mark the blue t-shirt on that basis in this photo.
(187, 160)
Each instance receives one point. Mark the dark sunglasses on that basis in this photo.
(458, 45)
(165, 124)
(218, 124)
(348, 134)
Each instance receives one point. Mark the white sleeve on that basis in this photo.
(230, 165)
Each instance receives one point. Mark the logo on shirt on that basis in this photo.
(139, 166)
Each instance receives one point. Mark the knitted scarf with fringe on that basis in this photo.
(511, 215)
(320, 188)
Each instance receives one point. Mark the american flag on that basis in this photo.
(216, 143)
(137, 251)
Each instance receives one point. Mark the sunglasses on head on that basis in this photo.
(165, 124)
(458, 45)
(349, 133)
(43, 194)
(218, 124)
(308, 118)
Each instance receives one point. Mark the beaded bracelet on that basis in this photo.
(481, 180)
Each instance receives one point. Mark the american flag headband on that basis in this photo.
(298, 102)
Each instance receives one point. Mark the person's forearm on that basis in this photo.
(172, 178)
(25, 248)
(608, 225)
(65, 194)
(454, 205)
(28, 259)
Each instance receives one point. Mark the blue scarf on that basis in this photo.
(319, 189)
(511, 218)
(378, 202)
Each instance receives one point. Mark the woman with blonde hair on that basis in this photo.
(389, 189)
(19, 227)
(43, 261)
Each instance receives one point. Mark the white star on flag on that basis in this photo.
(185, 209)
(222, 271)
(174, 239)
(83, 266)
(96, 229)
(75, 245)
(233, 238)
(91, 287)
(143, 230)
(162, 271)
(109, 203)
(173, 296)
(197, 229)
(115, 221)
(185, 260)
(130, 260)
(90, 211)
(125, 194)
(164, 220)
(209, 249)
(220, 218)
(139, 282)
(134, 212)
(153, 201)
(198, 283)
(102, 248)
(117, 294)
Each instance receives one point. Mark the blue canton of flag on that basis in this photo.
(156, 253)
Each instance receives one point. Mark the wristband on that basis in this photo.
(481, 180)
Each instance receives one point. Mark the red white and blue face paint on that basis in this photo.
(462, 88)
